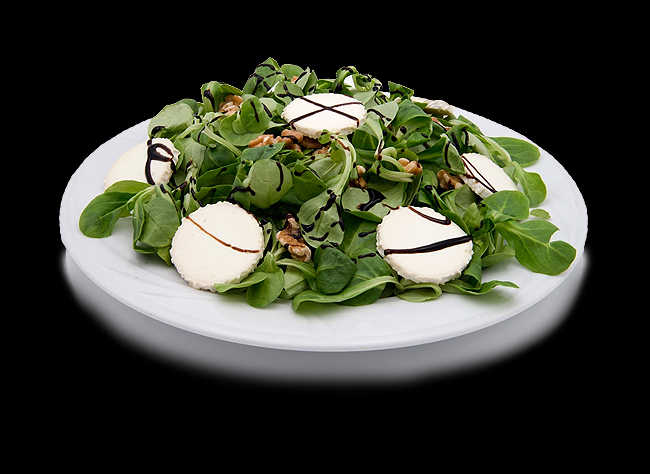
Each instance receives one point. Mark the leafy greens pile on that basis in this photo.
(337, 221)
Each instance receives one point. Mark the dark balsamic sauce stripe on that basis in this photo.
(331, 108)
(471, 170)
(219, 240)
(279, 188)
(445, 221)
(374, 197)
(365, 234)
(331, 201)
(443, 244)
(208, 95)
(154, 155)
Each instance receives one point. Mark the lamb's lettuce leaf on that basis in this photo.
(100, 215)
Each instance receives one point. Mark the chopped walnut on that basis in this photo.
(310, 143)
(323, 151)
(262, 140)
(231, 104)
(294, 135)
(447, 181)
(293, 140)
(290, 138)
(292, 240)
(413, 167)
(359, 182)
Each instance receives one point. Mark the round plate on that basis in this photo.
(148, 285)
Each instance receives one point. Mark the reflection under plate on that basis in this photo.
(227, 359)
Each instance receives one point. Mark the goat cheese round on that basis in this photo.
(422, 245)
(218, 243)
(484, 176)
(438, 107)
(336, 113)
(152, 161)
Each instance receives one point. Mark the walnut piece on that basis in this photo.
(308, 142)
(323, 151)
(231, 104)
(448, 181)
(359, 182)
(292, 240)
(262, 140)
(413, 167)
(291, 139)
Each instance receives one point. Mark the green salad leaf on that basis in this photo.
(100, 215)
(155, 220)
(520, 151)
(334, 269)
(263, 286)
(532, 246)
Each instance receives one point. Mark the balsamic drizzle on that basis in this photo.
(238, 189)
(331, 201)
(287, 93)
(366, 255)
(445, 221)
(470, 173)
(375, 197)
(257, 117)
(321, 239)
(281, 176)
(365, 234)
(380, 115)
(331, 108)
(157, 129)
(435, 246)
(259, 79)
(154, 155)
(238, 249)
(443, 244)
(208, 95)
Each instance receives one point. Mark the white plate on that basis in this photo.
(149, 286)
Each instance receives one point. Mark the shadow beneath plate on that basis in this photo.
(222, 360)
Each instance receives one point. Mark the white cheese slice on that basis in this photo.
(218, 243)
(153, 157)
(336, 113)
(438, 107)
(422, 245)
(484, 176)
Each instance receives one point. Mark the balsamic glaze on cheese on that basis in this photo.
(154, 155)
(238, 249)
(435, 246)
(331, 108)
(473, 173)
(443, 244)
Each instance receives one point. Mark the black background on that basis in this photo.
(514, 79)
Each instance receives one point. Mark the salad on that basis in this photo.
(320, 200)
